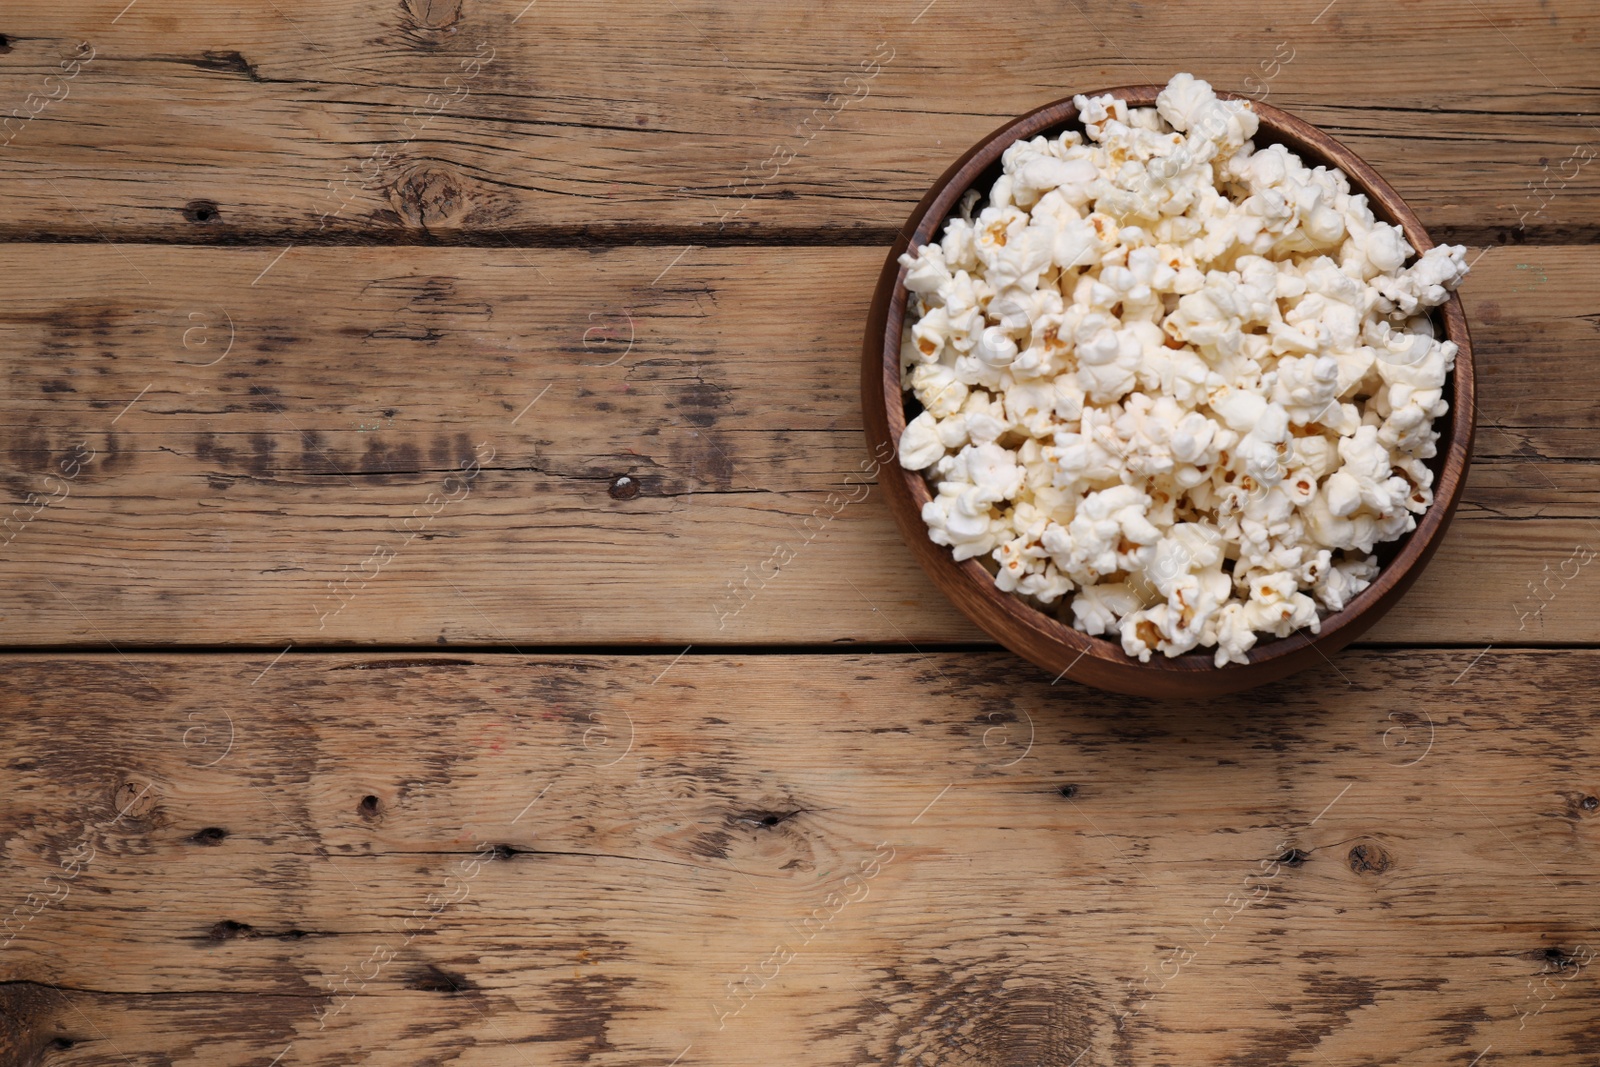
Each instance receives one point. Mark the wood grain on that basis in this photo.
(223, 499)
(743, 855)
(203, 121)
(1414, 831)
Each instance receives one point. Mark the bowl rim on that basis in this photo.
(885, 422)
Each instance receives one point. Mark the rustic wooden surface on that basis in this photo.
(601, 120)
(353, 754)
(665, 824)
(360, 378)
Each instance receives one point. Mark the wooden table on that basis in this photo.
(403, 405)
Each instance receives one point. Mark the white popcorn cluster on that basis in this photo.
(1185, 381)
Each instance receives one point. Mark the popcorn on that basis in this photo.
(938, 389)
(920, 447)
(1174, 382)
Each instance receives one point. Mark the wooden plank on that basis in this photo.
(1299, 875)
(434, 118)
(278, 458)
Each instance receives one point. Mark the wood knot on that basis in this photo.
(428, 195)
(768, 819)
(1294, 858)
(433, 17)
(134, 800)
(31, 1021)
(1556, 958)
(1590, 803)
(624, 487)
(202, 211)
(1369, 858)
(987, 1014)
(211, 835)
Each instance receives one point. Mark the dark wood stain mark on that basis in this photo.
(72, 330)
(1332, 1002)
(702, 463)
(269, 339)
(701, 401)
(207, 449)
(406, 331)
(581, 1010)
(1460, 1026)
(262, 446)
(465, 450)
(29, 1022)
(712, 844)
(31, 452)
(381, 457)
(314, 454)
(114, 457)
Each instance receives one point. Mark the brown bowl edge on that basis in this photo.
(1049, 642)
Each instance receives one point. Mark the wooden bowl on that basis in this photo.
(1048, 642)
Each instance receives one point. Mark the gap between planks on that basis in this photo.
(447, 655)
(628, 235)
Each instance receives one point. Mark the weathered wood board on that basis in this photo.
(469, 119)
(1389, 860)
(279, 457)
